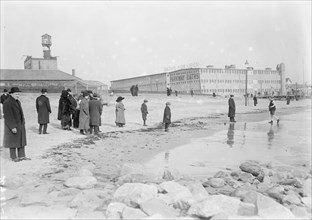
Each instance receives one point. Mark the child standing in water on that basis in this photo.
(167, 116)
(272, 109)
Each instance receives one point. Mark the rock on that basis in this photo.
(218, 204)
(307, 201)
(215, 182)
(135, 178)
(171, 186)
(165, 198)
(8, 194)
(221, 174)
(157, 206)
(197, 190)
(84, 172)
(41, 212)
(239, 193)
(246, 209)
(132, 213)
(156, 217)
(307, 187)
(68, 192)
(276, 192)
(13, 182)
(300, 212)
(87, 200)
(263, 187)
(81, 182)
(114, 210)
(89, 166)
(87, 214)
(267, 207)
(291, 199)
(293, 182)
(133, 194)
(245, 177)
(35, 199)
(182, 199)
(250, 167)
(220, 216)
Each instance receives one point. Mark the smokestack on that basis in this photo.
(73, 72)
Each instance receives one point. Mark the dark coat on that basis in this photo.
(167, 115)
(95, 110)
(231, 108)
(144, 111)
(255, 100)
(13, 118)
(272, 107)
(43, 109)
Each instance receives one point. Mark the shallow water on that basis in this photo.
(286, 144)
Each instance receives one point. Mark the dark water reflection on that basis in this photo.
(230, 135)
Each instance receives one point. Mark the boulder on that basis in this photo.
(218, 204)
(306, 188)
(41, 212)
(36, 199)
(158, 206)
(291, 199)
(307, 201)
(81, 182)
(276, 192)
(220, 216)
(114, 210)
(68, 192)
(89, 166)
(88, 200)
(133, 194)
(165, 198)
(84, 172)
(250, 167)
(267, 207)
(221, 174)
(240, 193)
(300, 212)
(87, 214)
(182, 199)
(296, 182)
(215, 182)
(197, 190)
(132, 213)
(171, 186)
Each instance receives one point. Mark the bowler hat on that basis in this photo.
(85, 93)
(44, 90)
(168, 103)
(119, 99)
(145, 100)
(232, 95)
(14, 90)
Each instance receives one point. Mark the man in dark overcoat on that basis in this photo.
(144, 111)
(167, 116)
(255, 99)
(232, 109)
(95, 111)
(44, 110)
(14, 126)
(4, 96)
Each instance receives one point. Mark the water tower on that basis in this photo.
(46, 44)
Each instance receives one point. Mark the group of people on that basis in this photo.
(134, 90)
(232, 109)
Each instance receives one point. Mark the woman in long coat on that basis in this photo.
(120, 112)
(167, 116)
(44, 110)
(84, 116)
(64, 111)
(232, 109)
(14, 126)
(95, 109)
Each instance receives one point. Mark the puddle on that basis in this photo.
(286, 144)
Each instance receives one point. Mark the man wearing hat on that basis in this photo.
(232, 109)
(14, 126)
(120, 112)
(43, 110)
(144, 111)
(167, 116)
(95, 109)
(84, 116)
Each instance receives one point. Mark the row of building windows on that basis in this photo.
(229, 81)
(229, 90)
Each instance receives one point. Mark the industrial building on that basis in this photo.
(211, 80)
(43, 72)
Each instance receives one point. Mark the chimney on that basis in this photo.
(73, 72)
(46, 54)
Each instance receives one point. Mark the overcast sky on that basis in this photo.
(113, 40)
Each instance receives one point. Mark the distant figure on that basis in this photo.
(136, 90)
(192, 92)
(64, 111)
(176, 92)
(255, 99)
(4, 96)
(144, 111)
(43, 110)
(132, 88)
(167, 116)
(75, 116)
(95, 109)
(84, 116)
(272, 109)
(14, 126)
(168, 91)
(120, 112)
(232, 109)
(73, 105)
(214, 94)
(288, 100)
